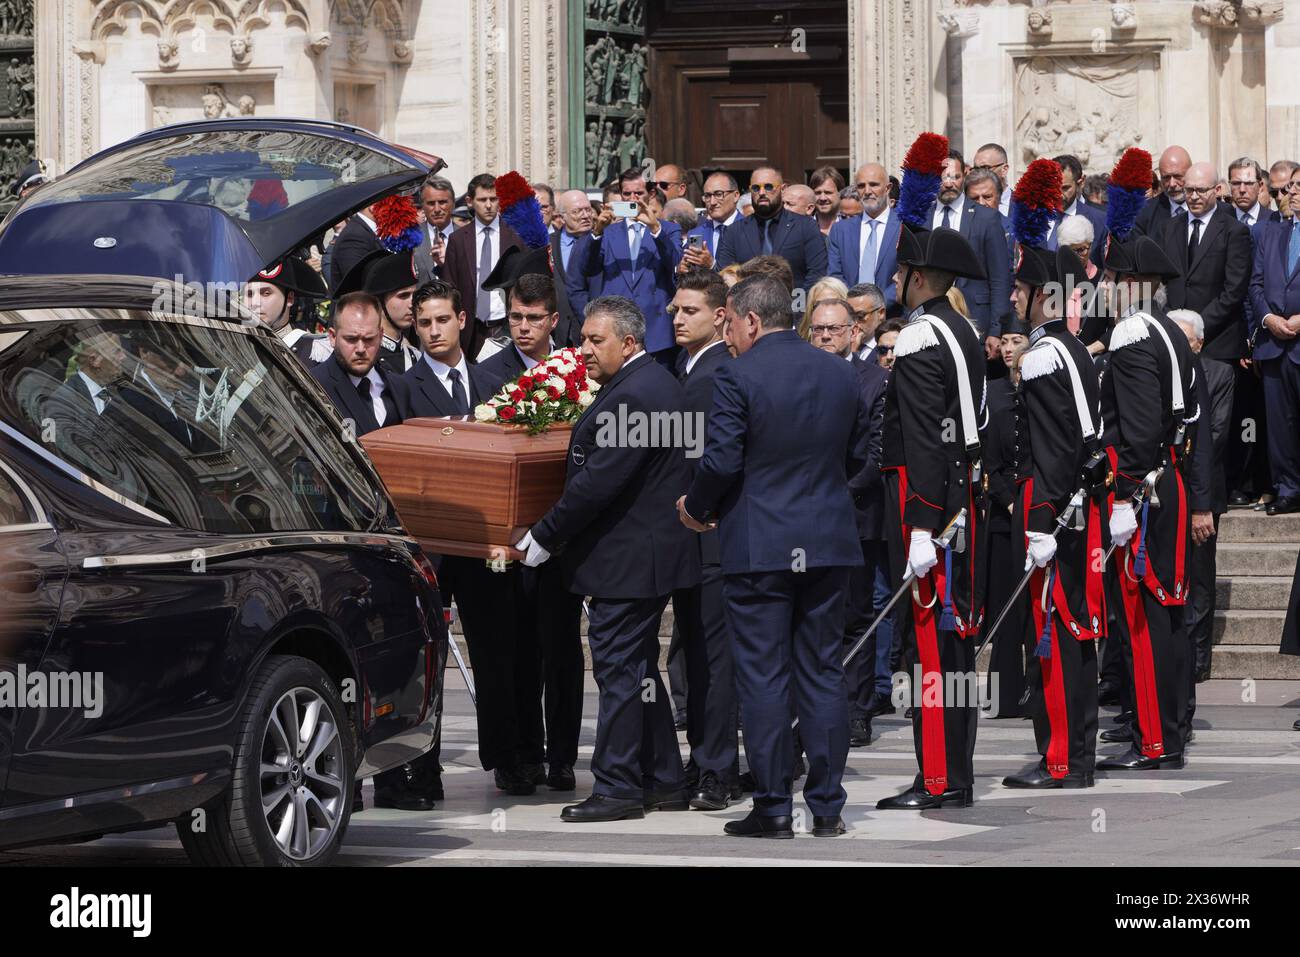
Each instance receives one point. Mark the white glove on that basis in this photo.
(534, 554)
(921, 556)
(1123, 523)
(1042, 547)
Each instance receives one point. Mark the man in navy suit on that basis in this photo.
(831, 327)
(635, 259)
(1174, 164)
(772, 230)
(443, 383)
(721, 193)
(1275, 298)
(862, 249)
(1072, 204)
(1246, 180)
(785, 433)
(699, 310)
(361, 389)
(989, 299)
(613, 533)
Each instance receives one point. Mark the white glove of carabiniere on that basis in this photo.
(1123, 523)
(1041, 549)
(534, 554)
(921, 556)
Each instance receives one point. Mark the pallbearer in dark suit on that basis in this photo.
(699, 309)
(370, 397)
(548, 660)
(390, 278)
(785, 433)
(616, 539)
(1148, 400)
(934, 410)
(444, 383)
(1060, 452)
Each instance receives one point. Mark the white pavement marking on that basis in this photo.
(574, 857)
(1105, 787)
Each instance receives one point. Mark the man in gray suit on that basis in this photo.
(437, 199)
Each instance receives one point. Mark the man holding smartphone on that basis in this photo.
(633, 254)
(721, 193)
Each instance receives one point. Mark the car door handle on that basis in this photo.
(21, 578)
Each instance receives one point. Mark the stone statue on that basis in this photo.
(605, 156)
(636, 68)
(593, 59)
(247, 105)
(356, 48)
(216, 105)
(613, 67)
(636, 12)
(168, 54)
(1123, 16)
(318, 43)
(592, 149)
(1039, 22)
(162, 115)
(403, 50)
(1215, 13)
(630, 147)
(241, 50)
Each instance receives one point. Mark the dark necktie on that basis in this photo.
(767, 236)
(947, 217)
(1194, 241)
(484, 305)
(718, 230)
(363, 390)
(458, 398)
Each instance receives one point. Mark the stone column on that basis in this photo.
(895, 59)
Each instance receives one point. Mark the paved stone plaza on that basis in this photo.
(1236, 803)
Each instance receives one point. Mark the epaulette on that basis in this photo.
(1040, 361)
(914, 337)
(321, 348)
(1130, 330)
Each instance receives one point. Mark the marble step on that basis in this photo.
(1247, 525)
(1252, 593)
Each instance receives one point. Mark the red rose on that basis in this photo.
(571, 393)
(525, 381)
(506, 413)
(553, 392)
(517, 395)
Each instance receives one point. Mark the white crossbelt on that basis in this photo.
(1076, 386)
(1174, 373)
(969, 427)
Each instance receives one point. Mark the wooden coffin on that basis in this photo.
(464, 487)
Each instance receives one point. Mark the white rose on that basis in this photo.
(585, 399)
(485, 413)
(555, 382)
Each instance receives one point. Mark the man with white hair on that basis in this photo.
(1207, 495)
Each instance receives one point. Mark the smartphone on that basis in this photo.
(695, 242)
(625, 210)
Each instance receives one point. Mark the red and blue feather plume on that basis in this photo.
(1126, 192)
(1036, 202)
(397, 223)
(922, 176)
(521, 211)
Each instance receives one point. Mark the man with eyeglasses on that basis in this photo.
(636, 258)
(1172, 200)
(773, 230)
(863, 249)
(721, 194)
(568, 245)
(1246, 181)
(671, 180)
(868, 302)
(993, 158)
(1279, 176)
(1275, 299)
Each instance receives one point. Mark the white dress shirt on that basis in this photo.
(1204, 219)
(1251, 215)
(498, 304)
(691, 360)
(865, 352)
(955, 221)
(442, 371)
(865, 275)
(376, 392)
(95, 389)
(728, 223)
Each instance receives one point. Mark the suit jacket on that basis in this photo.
(1153, 216)
(798, 241)
(844, 245)
(705, 231)
(649, 282)
(460, 269)
(1273, 290)
(334, 379)
(570, 289)
(786, 431)
(354, 243)
(615, 527)
(1216, 281)
(867, 488)
(423, 253)
(502, 367)
(989, 300)
(698, 384)
(1206, 476)
(426, 397)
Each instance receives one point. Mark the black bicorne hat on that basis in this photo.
(516, 262)
(1138, 256)
(380, 273)
(939, 248)
(293, 275)
(1040, 267)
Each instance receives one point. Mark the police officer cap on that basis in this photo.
(291, 274)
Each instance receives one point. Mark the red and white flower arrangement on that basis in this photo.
(556, 390)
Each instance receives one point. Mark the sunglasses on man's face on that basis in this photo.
(762, 187)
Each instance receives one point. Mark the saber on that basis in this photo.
(1066, 517)
(943, 541)
(460, 662)
(1147, 488)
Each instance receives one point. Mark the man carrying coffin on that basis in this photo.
(616, 538)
